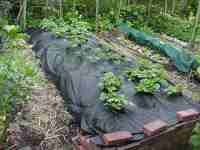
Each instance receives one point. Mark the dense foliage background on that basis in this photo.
(172, 17)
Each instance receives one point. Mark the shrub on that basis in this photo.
(196, 138)
(12, 36)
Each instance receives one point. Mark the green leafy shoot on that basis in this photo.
(150, 77)
(111, 83)
(114, 101)
(110, 86)
(13, 37)
(198, 71)
(148, 86)
(110, 55)
(195, 140)
(175, 90)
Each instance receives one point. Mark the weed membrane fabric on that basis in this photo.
(78, 72)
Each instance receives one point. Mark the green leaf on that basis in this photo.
(198, 70)
(196, 140)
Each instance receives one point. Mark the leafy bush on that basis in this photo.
(111, 83)
(12, 36)
(17, 77)
(196, 138)
(147, 72)
(148, 86)
(110, 86)
(150, 77)
(114, 101)
(175, 90)
(74, 27)
(172, 26)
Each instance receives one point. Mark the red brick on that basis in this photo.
(117, 137)
(187, 115)
(155, 127)
(85, 142)
(81, 148)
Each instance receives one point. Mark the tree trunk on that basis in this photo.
(184, 7)
(149, 8)
(173, 6)
(74, 5)
(166, 7)
(97, 16)
(47, 8)
(119, 10)
(192, 42)
(23, 17)
(61, 9)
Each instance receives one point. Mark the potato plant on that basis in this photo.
(148, 86)
(74, 27)
(110, 87)
(150, 77)
(175, 90)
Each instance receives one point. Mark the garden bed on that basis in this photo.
(77, 70)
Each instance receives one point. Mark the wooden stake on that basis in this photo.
(23, 17)
(192, 42)
(97, 16)
(166, 7)
(61, 9)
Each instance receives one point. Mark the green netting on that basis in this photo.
(183, 59)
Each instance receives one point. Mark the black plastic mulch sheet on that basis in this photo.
(77, 73)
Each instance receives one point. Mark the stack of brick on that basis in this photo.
(158, 135)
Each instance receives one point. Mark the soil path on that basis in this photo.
(43, 123)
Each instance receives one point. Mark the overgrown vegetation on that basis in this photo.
(158, 23)
(136, 15)
(196, 138)
(12, 36)
(18, 75)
